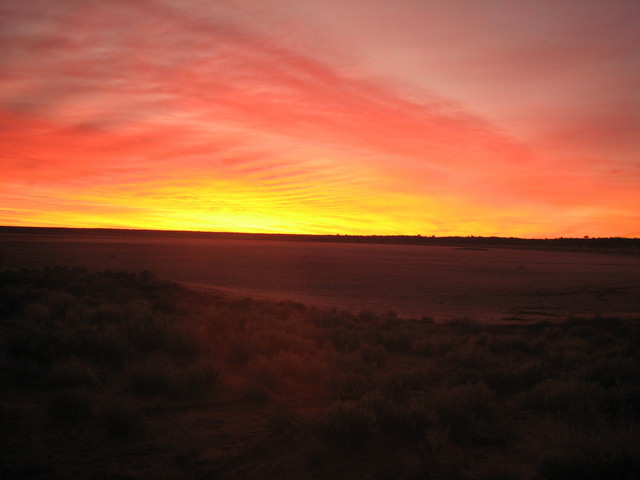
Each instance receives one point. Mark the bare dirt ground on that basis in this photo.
(496, 284)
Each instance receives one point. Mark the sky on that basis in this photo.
(432, 117)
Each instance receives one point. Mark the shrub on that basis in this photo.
(37, 313)
(436, 437)
(240, 348)
(105, 346)
(282, 420)
(470, 412)
(375, 356)
(41, 347)
(402, 420)
(367, 316)
(59, 303)
(625, 401)
(512, 378)
(433, 347)
(14, 295)
(512, 344)
(21, 372)
(602, 465)
(576, 400)
(259, 387)
(150, 377)
(146, 334)
(72, 373)
(305, 368)
(68, 406)
(107, 313)
(400, 386)
(397, 340)
(182, 342)
(349, 424)
(121, 420)
(613, 372)
(349, 384)
(157, 376)
(327, 319)
(272, 341)
(344, 339)
(198, 379)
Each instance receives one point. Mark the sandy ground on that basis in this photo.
(441, 282)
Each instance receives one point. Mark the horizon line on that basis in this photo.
(318, 235)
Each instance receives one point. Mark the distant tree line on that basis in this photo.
(616, 244)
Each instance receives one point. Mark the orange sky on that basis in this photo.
(510, 118)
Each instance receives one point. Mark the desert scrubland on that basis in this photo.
(110, 374)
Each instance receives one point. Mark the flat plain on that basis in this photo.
(445, 283)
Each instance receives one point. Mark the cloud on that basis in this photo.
(200, 105)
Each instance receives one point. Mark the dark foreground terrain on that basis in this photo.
(122, 376)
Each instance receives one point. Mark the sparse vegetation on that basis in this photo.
(248, 388)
